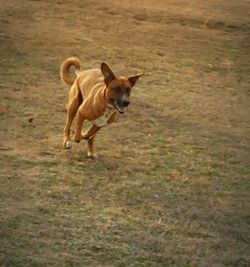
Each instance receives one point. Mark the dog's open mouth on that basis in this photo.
(121, 109)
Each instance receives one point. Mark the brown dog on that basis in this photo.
(96, 95)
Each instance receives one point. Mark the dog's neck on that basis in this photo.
(108, 105)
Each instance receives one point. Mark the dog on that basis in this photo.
(96, 95)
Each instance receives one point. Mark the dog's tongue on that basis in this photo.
(121, 109)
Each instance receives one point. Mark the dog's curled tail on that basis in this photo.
(65, 74)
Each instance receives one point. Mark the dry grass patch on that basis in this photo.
(171, 184)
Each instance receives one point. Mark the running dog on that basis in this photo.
(96, 95)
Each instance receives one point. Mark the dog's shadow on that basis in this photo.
(102, 166)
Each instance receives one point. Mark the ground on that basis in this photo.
(171, 184)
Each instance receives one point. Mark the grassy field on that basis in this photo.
(171, 184)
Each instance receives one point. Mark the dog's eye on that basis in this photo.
(117, 90)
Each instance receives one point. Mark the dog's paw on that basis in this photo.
(67, 144)
(91, 155)
(77, 139)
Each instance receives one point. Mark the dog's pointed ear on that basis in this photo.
(107, 73)
(133, 79)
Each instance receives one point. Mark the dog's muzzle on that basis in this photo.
(120, 105)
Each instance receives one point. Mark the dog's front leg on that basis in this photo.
(91, 133)
(89, 136)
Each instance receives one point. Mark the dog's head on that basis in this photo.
(118, 88)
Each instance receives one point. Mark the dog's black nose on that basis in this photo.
(125, 103)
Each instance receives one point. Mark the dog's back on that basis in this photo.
(86, 81)
(90, 81)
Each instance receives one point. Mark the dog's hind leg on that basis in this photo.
(79, 121)
(89, 136)
(90, 153)
(71, 112)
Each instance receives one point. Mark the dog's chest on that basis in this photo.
(103, 120)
